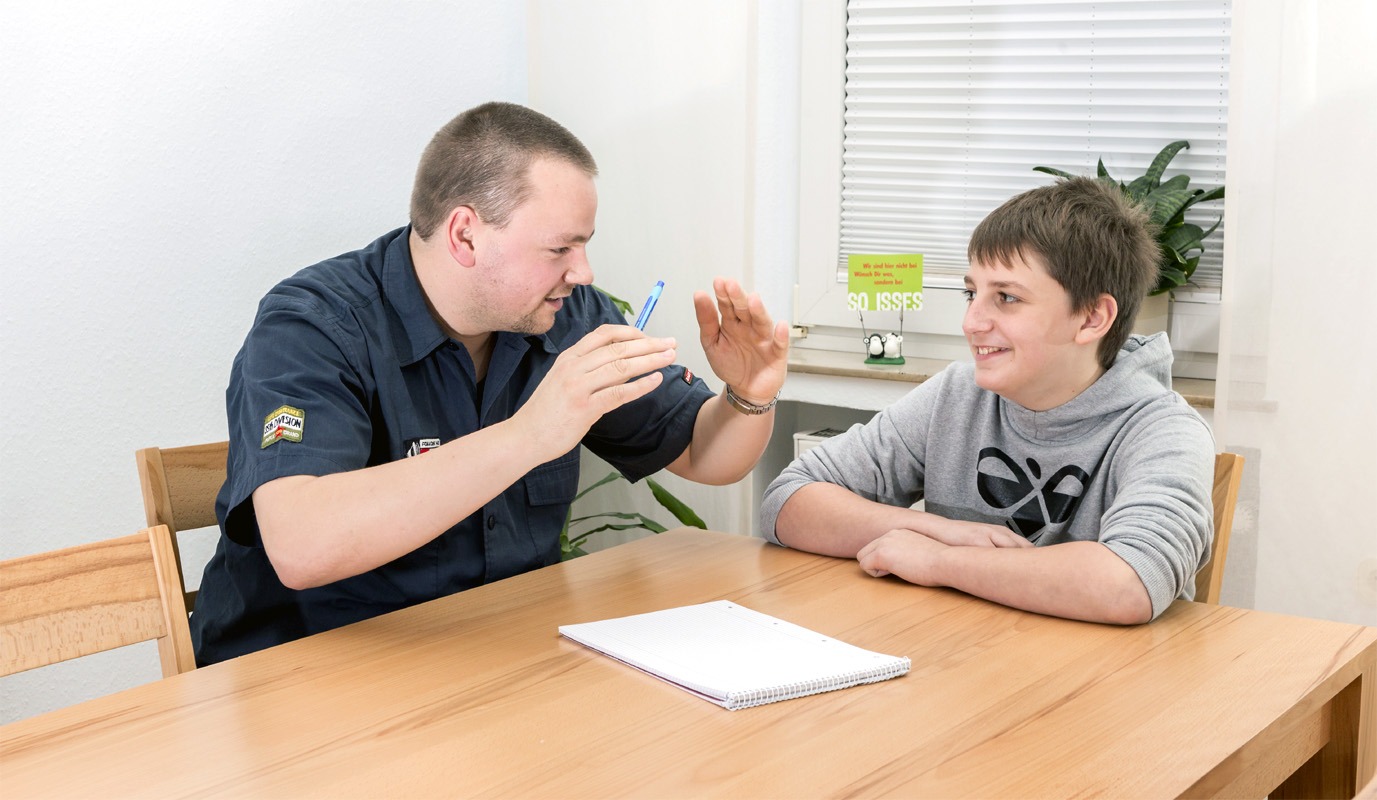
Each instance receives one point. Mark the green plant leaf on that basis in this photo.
(564, 547)
(1183, 237)
(602, 514)
(1166, 203)
(1159, 164)
(1199, 196)
(1216, 193)
(1177, 182)
(571, 547)
(621, 304)
(1100, 171)
(675, 506)
(1057, 172)
(646, 523)
(1139, 189)
(611, 526)
(1168, 278)
(608, 478)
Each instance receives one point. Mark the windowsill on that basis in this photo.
(1199, 393)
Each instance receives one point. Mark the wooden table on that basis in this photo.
(476, 694)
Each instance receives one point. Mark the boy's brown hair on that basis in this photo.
(1092, 238)
(481, 159)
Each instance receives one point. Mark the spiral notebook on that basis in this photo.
(734, 656)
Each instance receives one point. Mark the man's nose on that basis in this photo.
(580, 272)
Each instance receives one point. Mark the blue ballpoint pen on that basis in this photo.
(649, 305)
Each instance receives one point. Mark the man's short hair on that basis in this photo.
(481, 159)
(1092, 238)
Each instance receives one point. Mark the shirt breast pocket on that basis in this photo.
(550, 488)
(554, 482)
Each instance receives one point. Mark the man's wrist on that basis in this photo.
(748, 407)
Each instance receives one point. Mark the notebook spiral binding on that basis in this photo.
(789, 691)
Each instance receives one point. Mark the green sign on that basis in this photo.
(884, 282)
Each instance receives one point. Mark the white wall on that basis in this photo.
(680, 102)
(164, 164)
(1297, 372)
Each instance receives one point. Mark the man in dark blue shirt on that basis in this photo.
(405, 419)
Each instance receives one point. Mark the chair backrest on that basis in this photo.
(1228, 474)
(94, 597)
(1368, 792)
(179, 488)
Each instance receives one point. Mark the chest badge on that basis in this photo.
(415, 447)
(285, 423)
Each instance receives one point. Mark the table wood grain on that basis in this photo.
(477, 695)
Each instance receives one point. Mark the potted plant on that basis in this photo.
(1166, 202)
(571, 546)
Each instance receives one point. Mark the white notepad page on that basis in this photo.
(734, 656)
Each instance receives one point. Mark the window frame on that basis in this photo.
(820, 306)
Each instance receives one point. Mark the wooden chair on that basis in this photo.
(1368, 792)
(1228, 474)
(94, 597)
(179, 488)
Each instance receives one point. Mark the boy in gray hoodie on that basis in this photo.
(1060, 471)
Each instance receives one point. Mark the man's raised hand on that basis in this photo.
(606, 369)
(745, 348)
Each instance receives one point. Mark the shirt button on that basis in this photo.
(492, 521)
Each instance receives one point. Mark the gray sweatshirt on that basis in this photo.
(1127, 463)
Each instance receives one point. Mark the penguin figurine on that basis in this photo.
(894, 346)
(874, 345)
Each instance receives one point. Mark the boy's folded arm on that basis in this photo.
(1075, 580)
(825, 518)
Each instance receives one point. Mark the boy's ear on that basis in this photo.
(1098, 319)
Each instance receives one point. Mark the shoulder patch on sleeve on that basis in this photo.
(285, 423)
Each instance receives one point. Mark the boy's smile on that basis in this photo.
(1028, 344)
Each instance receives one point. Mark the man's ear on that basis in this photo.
(459, 234)
(1098, 319)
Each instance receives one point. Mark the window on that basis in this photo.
(947, 106)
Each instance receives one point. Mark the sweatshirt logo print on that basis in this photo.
(1005, 485)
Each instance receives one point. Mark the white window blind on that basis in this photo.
(949, 106)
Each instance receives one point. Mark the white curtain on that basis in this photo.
(1297, 364)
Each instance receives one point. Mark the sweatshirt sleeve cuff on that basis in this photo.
(1156, 576)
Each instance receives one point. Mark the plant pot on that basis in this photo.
(1154, 315)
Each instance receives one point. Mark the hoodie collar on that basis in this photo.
(1141, 372)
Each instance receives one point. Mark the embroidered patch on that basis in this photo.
(415, 447)
(284, 423)
(688, 375)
